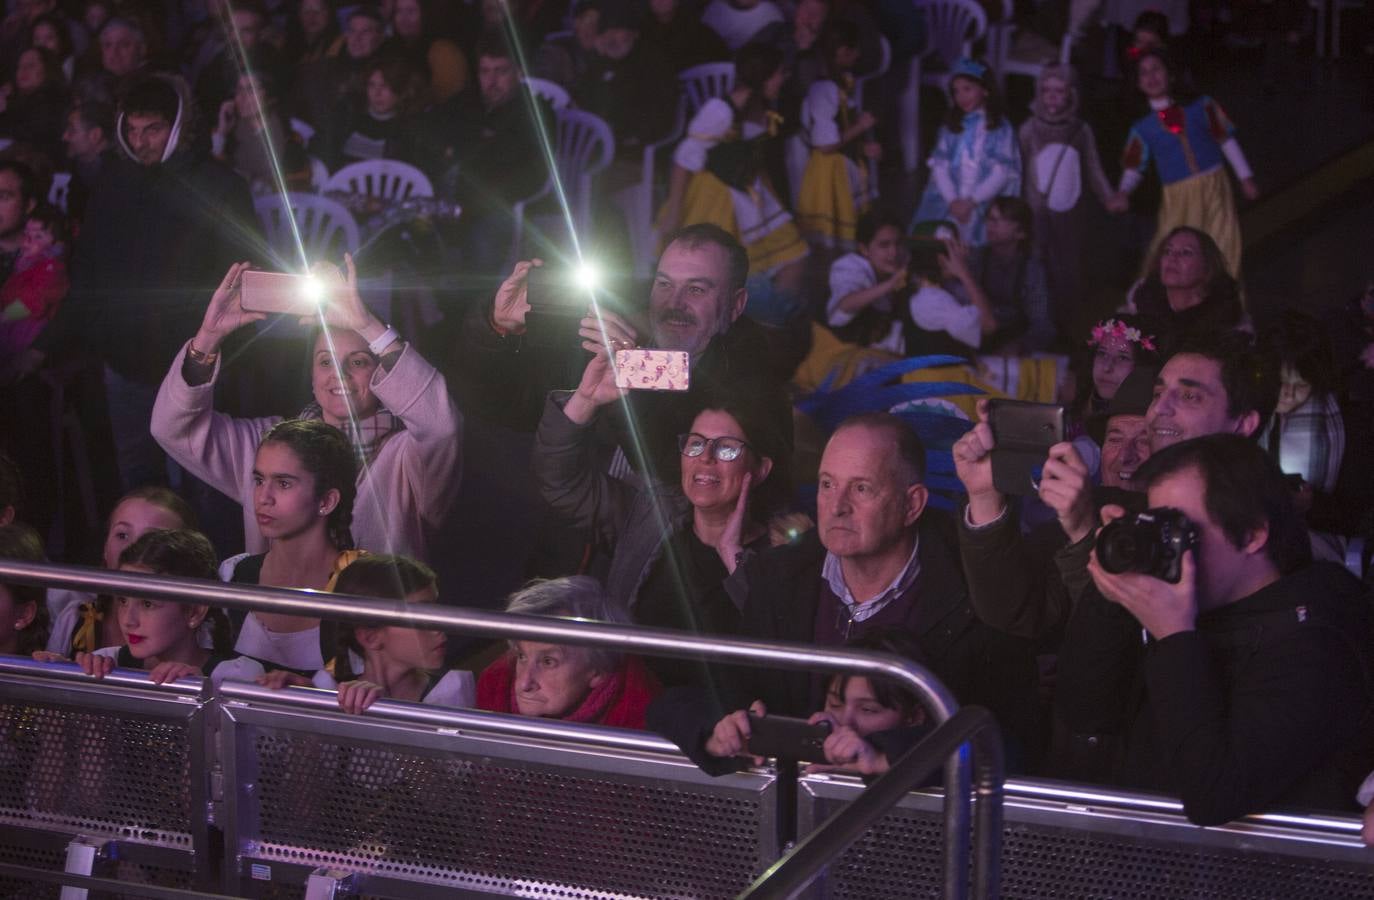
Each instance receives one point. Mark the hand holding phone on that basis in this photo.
(1023, 434)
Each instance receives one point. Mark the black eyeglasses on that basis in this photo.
(724, 449)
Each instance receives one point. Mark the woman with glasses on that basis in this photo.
(671, 544)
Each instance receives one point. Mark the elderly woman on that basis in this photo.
(367, 382)
(672, 545)
(1187, 289)
(556, 681)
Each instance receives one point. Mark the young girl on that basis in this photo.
(381, 126)
(836, 188)
(171, 640)
(1118, 346)
(23, 612)
(976, 156)
(30, 296)
(86, 622)
(719, 169)
(392, 660)
(864, 285)
(1060, 155)
(304, 483)
(1187, 139)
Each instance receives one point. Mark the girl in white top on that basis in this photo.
(171, 640)
(303, 491)
(389, 661)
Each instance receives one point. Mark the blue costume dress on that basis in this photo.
(976, 163)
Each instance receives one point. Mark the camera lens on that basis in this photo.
(1124, 546)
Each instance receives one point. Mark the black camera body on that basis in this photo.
(1152, 543)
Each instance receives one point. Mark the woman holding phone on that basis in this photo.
(374, 387)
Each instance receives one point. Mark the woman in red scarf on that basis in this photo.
(558, 681)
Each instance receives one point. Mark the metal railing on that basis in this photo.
(936, 699)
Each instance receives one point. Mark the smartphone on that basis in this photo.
(557, 308)
(279, 292)
(1023, 434)
(642, 369)
(781, 737)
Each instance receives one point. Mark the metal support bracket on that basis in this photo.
(328, 884)
(82, 854)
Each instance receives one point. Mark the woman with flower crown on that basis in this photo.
(1117, 346)
(1188, 142)
(976, 155)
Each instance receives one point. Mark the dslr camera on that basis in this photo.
(1152, 542)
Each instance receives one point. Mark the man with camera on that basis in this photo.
(878, 559)
(1213, 659)
(1026, 585)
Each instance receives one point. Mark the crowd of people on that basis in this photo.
(1229, 661)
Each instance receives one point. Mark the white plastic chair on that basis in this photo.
(584, 148)
(1001, 37)
(552, 92)
(701, 83)
(884, 63)
(388, 179)
(303, 129)
(953, 26)
(61, 187)
(326, 228)
(319, 174)
(636, 202)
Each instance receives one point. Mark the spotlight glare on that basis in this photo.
(588, 276)
(312, 289)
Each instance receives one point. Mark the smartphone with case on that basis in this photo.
(642, 369)
(1023, 434)
(279, 292)
(556, 311)
(785, 738)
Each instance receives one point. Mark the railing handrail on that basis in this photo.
(795, 871)
(933, 695)
(24, 666)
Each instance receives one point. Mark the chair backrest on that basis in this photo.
(884, 63)
(303, 129)
(326, 228)
(61, 186)
(319, 174)
(701, 83)
(585, 147)
(953, 26)
(552, 92)
(388, 179)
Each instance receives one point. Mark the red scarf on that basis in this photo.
(620, 701)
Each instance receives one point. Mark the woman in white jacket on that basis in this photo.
(392, 404)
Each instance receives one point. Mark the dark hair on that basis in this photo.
(1220, 291)
(161, 496)
(52, 219)
(1018, 211)
(1082, 364)
(182, 553)
(21, 543)
(694, 236)
(28, 179)
(94, 114)
(493, 44)
(923, 260)
(366, 11)
(151, 95)
(52, 66)
(382, 576)
(835, 34)
(1153, 21)
(755, 63)
(1245, 490)
(11, 485)
(992, 106)
(326, 454)
(1251, 379)
(764, 414)
(59, 26)
(1299, 340)
(875, 220)
(405, 82)
(911, 453)
(1178, 88)
(887, 692)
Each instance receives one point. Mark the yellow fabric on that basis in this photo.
(1204, 202)
(448, 69)
(825, 206)
(86, 635)
(708, 200)
(1037, 381)
(344, 560)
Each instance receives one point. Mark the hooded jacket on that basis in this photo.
(156, 241)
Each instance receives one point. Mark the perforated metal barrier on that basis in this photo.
(417, 802)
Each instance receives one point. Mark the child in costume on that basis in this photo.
(719, 169)
(30, 296)
(836, 187)
(1188, 142)
(1118, 345)
(976, 156)
(1060, 155)
(866, 285)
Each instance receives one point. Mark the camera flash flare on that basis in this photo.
(313, 289)
(588, 276)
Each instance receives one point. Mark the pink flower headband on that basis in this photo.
(1115, 328)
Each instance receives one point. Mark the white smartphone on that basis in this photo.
(280, 292)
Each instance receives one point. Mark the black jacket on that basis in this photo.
(979, 665)
(1267, 703)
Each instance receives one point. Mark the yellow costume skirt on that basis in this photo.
(1204, 202)
(755, 218)
(834, 193)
